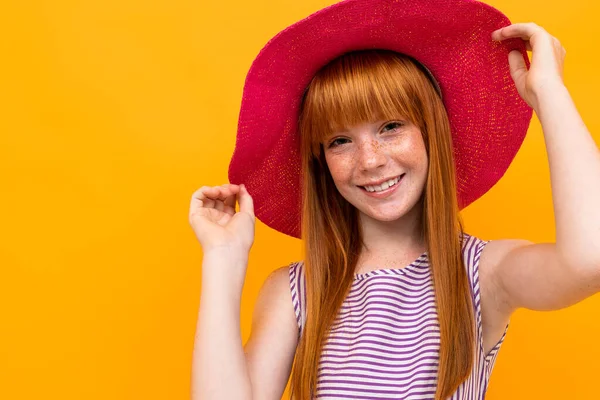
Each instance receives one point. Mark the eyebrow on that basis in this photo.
(377, 123)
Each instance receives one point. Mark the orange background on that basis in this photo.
(113, 112)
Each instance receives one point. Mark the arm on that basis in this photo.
(219, 368)
(556, 275)
(222, 369)
(553, 276)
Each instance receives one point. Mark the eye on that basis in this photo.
(336, 142)
(392, 126)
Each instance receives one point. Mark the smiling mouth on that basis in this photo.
(384, 186)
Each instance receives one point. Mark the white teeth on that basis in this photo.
(383, 186)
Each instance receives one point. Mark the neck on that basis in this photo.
(394, 243)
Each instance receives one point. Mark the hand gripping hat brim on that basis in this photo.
(452, 38)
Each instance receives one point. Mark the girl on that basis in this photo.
(364, 129)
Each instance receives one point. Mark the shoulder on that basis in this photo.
(495, 300)
(490, 268)
(484, 259)
(278, 281)
(282, 282)
(490, 253)
(496, 250)
(275, 295)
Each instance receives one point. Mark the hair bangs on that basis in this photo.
(360, 87)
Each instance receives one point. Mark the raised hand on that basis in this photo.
(216, 223)
(547, 61)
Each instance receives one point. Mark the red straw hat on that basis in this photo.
(452, 38)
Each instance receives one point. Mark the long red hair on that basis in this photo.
(360, 87)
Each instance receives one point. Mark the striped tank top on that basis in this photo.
(384, 343)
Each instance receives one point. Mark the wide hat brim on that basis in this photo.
(452, 38)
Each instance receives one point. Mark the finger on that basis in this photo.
(199, 200)
(210, 196)
(229, 193)
(517, 65)
(204, 197)
(527, 45)
(205, 192)
(220, 191)
(221, 198)
(208, 203)
(524, 31)
(229, 210)
(219, 205)
(246, 202)
(200, 207)
(230, 201)
(226, 191)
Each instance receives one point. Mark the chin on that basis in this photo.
(386, 217)
(388, 213)
(391, 212)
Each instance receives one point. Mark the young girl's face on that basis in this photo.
(379, 167)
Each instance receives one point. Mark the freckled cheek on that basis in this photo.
(420, 158)
(417, 152)
(340, 168)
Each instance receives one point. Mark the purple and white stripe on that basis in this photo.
(384, 343)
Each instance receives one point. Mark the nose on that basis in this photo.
(371, 155)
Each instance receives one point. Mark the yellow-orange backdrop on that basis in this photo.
(113, 112)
